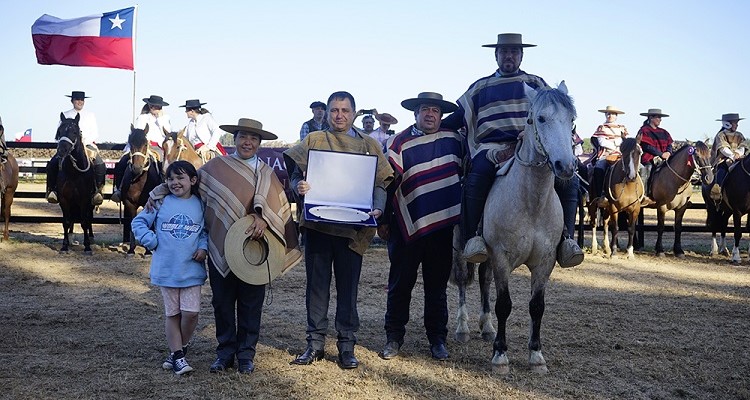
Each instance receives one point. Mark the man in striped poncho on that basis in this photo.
(424, 205)
(494, 112)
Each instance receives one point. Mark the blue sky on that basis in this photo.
(269, 60)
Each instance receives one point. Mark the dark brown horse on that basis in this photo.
(623, 192)
(8, 186)
(735, 195)
(145, 176)
(671, 190)
(75, 184)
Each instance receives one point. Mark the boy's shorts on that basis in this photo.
(181, 299)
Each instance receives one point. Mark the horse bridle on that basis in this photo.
(73, 144)
(146, 156)
(538, 144)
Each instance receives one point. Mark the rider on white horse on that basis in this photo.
(492, 139)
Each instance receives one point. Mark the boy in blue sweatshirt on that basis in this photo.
(177, 236)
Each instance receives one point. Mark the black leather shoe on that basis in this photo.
(347, 360)
(439, 351)
(390, 350)
(245, 366)
(221, 364)
(309, 356)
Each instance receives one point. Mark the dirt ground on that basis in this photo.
(75, 326)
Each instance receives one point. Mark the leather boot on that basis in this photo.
(100, 171)
(476, 189)
(597, 184)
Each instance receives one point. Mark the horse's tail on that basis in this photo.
(462, 273)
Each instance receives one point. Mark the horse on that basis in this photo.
(671, 190)
(523, 218)
(76, 182)
(735, 194)
(145, 176)
(8, 186)
(177, 147)
(623, 192)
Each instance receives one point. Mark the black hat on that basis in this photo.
(320, 104)
(155, 100)
(76, 95)
(429, 98)
(193, 104)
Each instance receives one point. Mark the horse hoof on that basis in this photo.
(539, 369)
(680, 256)
(661, 255)
(462, 337)
(488, 336)
(500, 364)
(88, 252)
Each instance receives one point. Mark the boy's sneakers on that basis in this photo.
(181, 366)
(169, 362)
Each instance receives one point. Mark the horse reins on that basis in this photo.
(538, 141)
(72, 159)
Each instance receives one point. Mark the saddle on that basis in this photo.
(613, 158)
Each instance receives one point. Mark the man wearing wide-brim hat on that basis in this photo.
(491, 138)
(382, 132)
(418, 222)
(656, 143)
(89, 135)
(608, 138)
(729, 145)
(241, 189)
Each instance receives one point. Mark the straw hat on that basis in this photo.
(249, 125)
(253, 261)
(730, 117)
(611, 110)
(654, 111)
(386, 118)
(509, 40)
(429, 98)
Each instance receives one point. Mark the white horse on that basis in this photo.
(523, 218)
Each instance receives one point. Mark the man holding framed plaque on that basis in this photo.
(333, 246)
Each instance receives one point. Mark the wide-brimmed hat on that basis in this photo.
(155, 100)
(386, 118)
(730, 117)
(193, 104)
(429, 98)
(77, 95)
(654, 111)
(256, 262)
(320, 104)
(509, 40)
(611, 110)
(249, 125)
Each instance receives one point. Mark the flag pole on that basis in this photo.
(135, 36)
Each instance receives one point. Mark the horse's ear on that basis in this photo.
(132, 128)
(166, 132)
(638, 138)
(529, 91)
(78, 117)
(563, 87)
(62, 117)
(145, 130)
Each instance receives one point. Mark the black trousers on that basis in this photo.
(241, 337)
(323, 254)
(434, 253)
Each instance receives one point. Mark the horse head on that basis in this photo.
(631, 157)
(702, 158)
(549, 126)
(139, 150)
(68, 136)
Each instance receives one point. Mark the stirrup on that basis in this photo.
(115, 196)
(97, 199)
(52, 197)
(715, 194)
(475, 250)
(569, 254)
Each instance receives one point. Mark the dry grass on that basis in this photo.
(91, 327)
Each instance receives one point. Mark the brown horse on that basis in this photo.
(623, 192)
(671, 190)
(8, 186)
(75, 183)
(177, 147)
(145, 176)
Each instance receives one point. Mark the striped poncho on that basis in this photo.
(428, 188)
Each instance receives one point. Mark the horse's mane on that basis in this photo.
(555, 97)
(627, 145)
(137, 138)
(702, 150)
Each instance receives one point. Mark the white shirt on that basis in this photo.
(155, 126)
(87, 124)
(203, 129)
(380, 136)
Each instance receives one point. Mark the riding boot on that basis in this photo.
(53, 167)
(100, 174)
(476, 189)
(597, 184)
(120, 168)
(721, 173)
(569, 254)
(645, 172)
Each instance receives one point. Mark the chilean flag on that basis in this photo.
(103, 40)
(24, 137)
